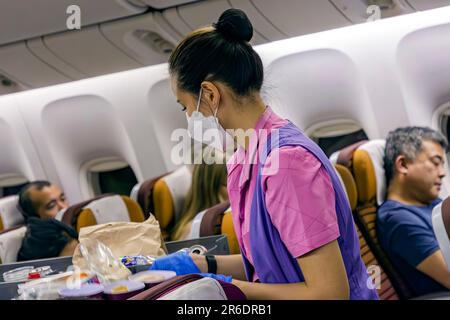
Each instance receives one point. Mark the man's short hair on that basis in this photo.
(26, 205)
(407, 141)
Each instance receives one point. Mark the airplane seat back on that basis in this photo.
(10, 215)
(441, 227)
(368, 171)
(142, 193)
(10, 243)
(169, 193)
(217, 220)
(347, 181)
(343, 161)
(103, 209)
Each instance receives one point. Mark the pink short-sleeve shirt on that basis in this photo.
(299, 194)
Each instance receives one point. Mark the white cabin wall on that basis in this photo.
(18, 156)
(126, 132)
(373, 73)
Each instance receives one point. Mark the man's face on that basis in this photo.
(48, 201)
(425, 173)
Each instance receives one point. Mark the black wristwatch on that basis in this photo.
(212, 263)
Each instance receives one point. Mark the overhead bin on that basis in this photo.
(356, 10)
(89, 51)
(49, 16)
(162, 4)
(173, 17)
(427, 4)
(202, 14)
(302, 17)
(146, 39)
(38, 48)
(21, 65)
(259, 21)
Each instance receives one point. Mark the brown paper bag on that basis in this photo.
(124, 239)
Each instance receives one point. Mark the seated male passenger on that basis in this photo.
(46, 237)
(414, 164)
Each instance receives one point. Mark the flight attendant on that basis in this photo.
(290, 213)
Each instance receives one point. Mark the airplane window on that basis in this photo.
(11, 190)
(119, 181)
(445, 125)
(335, 143)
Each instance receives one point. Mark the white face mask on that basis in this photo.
(206, 130)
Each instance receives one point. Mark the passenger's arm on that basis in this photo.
(324, 273)
(228, 265)
(69, 249)
(416, 244)
(435, 267)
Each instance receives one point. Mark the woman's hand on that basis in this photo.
(180, 262)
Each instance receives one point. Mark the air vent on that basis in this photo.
(5, 82)
(9, 86)
(142, 40)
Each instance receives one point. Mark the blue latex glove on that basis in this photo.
(220, 277)
(180, 262)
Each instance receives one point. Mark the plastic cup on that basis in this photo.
(86, 291)
(122, 290)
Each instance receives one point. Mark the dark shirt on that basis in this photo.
(406, 234)
(45, 238)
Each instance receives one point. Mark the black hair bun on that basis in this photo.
(234, 24)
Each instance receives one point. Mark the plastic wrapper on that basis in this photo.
(138, 263)
(44, 288)
(102, 263)
(17, 275)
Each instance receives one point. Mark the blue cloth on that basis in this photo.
(180, 262)
(406, 234)
(272, 261)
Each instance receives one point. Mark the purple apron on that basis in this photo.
(272, 261)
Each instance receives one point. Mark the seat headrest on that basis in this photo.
(10, 243)
(349, 185)
(110, 209)
(10, 216)
(142, 193)
(70, 215)
(441, 227)
(368, 169)
(211, 221)
(178, 184)
(344, 156)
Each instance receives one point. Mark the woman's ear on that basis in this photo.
(401, 164)
(211, 95)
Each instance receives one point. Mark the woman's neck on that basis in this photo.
(246, 118)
